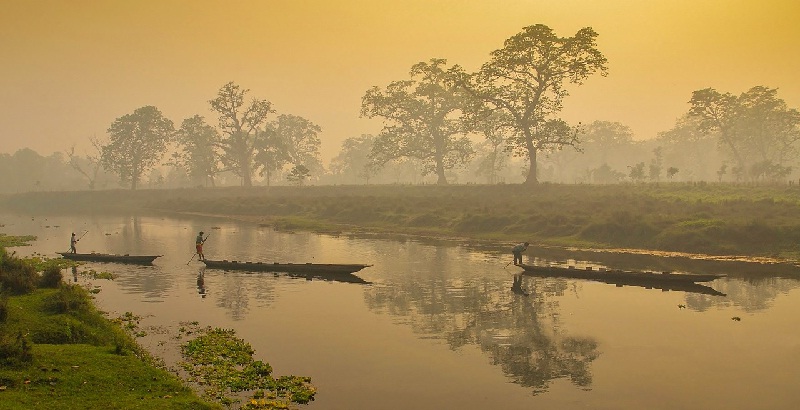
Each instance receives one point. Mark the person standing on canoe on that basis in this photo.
(198, 244)
(517, 252)
(72, 242)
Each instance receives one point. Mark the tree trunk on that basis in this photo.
(531, 178)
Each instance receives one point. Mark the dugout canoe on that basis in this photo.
(340, 272)
(105, 257)
(687, 282)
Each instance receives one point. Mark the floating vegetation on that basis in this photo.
(130, 323)
(223, 366)
(13, 240)
(41, 262)
(93, 274)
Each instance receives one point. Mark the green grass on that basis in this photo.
(79, 359)
(81, 376)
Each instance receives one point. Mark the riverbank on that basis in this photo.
(59, 352)
(713, 220)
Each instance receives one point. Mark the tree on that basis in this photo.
(138, 141)
(240, 123)
(756, 127)
(422, 119)
(90, 166)
(289, 139)
(352, 162)
(671, 171)
(298, 174)
(199, 143)
(636, 172)
(525, 79)
(605, 136)
(493, 152)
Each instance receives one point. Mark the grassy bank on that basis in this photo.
(58, 352)
(719, 219)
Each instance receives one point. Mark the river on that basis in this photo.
(438, 327)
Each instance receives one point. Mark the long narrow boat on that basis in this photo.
(326, 271)
(686, 282)
(105, 257)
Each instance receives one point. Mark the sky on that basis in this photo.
(68, 69)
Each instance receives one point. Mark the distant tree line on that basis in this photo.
(442, 125)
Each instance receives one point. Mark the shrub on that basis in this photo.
(69, 298)
(17, 276)
(3, 306)
(51, 277)
(15, 349)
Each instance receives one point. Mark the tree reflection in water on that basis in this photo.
(521, 334)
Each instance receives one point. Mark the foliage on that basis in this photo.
(289, 139)
(15, 350)
(16, 276)
(138, 142)
(240, 123)
(525, 80)
(352, 162)
(199, 143)
(69, 298)
(423, 117)
(298, 174)
(51, 277)
(3, 306)
(756, 128)
(223, 364)
(11, 240)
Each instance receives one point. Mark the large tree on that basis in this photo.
(199, 144)
(289, 139)
(756, 128)
(138, 141)
(526, 80)
(423, 119)
(240, 122)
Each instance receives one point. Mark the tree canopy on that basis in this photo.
(526, 80)
(240, 122)
(423, 118)
(756, 128)
(138, 142)
(199, 149)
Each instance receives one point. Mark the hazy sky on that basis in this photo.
(69, 68)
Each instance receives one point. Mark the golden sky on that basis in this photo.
(71, 67)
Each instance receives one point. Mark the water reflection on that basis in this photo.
(519, 330)
(201, 282)
(536, 332)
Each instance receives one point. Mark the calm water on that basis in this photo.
(439, 327)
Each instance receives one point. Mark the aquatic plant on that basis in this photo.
(223, 365)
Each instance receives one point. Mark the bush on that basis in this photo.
(3, 306)
(51, 277)
(16, 276)
(69, 298)
(15, 349)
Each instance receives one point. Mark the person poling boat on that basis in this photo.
(198, 244)
(517, 252)
(73, 241)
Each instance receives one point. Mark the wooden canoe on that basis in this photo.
(686, 282)
(285, 267)
(324, 271)
(105, 257)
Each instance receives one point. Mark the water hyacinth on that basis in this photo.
(223, 365)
